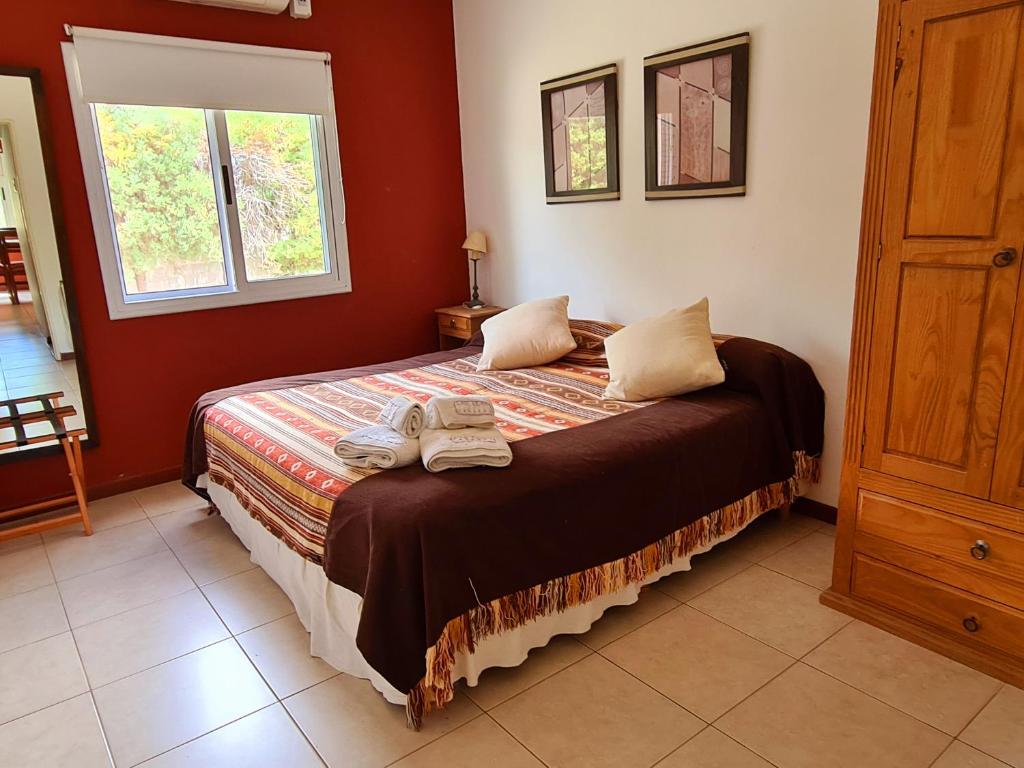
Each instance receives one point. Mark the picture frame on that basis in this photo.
(695, 119)
(579, 120)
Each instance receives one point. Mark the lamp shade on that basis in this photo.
(476, 241)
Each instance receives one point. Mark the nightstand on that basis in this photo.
(457, 324)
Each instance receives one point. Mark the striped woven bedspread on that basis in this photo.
(274, 450)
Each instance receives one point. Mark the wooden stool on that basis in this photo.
(14, 415)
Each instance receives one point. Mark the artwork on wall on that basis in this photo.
(695, 119)
(581, 147)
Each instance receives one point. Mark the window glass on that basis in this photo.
(278, 194)
(162, 197)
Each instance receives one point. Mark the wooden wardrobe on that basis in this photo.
(930, 544)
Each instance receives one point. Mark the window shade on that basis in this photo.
(153, 70)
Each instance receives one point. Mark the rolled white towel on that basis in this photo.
(404, 415)
(469, 447)
(458, 412)
(378, 447)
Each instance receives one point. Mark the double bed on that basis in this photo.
(415, 580)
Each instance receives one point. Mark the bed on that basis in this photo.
(415, 580)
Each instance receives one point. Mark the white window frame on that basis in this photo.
(239, 290)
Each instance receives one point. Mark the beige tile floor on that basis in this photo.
(27, 366)
(157, 642)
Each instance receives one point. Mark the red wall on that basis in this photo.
(397, 105)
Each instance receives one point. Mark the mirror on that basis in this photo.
(41, 349)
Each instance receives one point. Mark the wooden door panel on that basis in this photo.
(967, 65)
(954, 197)
(1008, 477)
(941, 312)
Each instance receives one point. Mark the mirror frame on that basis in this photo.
(91, 439)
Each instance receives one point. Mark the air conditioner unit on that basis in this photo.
(260, 6)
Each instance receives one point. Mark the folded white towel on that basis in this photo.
(404, 415)
(459, 412)
(378, 446)
(470, 447)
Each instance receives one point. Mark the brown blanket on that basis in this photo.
(424, 550)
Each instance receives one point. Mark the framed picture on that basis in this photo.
(581, 136)
(695, 119)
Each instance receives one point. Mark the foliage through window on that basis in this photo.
(162, 197)
(207, 201)
(278, 200)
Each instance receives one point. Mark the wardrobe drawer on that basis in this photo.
(942, 606)
(975, 546)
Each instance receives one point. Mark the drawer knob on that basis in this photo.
(971, 624)
(452, 322)
(980, 549)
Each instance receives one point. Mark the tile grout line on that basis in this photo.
(532, 685)
(977, 714)
(710, 727)
(140, 605)
(295, 722)
(230, 637)
(74, 639)
(875, 698)
(748, 696)
(983, 708)
(169, 549)
(764, 642)
(78, 652)
(512, 736)
(457, 728)
(277, 699)
(793, 660)
(206, 733)
(627, 632)
(695, 595)
(662, 695)
(676, 748)
(744, 746)
(980, 751)
(781, 672)
(111, 565)
(803, 660)
(234, 637)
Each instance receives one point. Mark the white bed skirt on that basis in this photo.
(330, 613)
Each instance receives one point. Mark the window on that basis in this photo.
(213, 204)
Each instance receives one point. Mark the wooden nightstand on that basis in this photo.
(457, 324)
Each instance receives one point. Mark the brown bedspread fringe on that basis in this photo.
(436, 689)
(808, 468)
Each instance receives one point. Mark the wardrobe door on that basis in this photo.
(949, 260)
(1008, 479)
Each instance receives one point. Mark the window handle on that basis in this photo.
(229, 197)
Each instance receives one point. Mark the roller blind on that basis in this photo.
(153, 70)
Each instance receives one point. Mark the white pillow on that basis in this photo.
(533, 333)
(670, 354)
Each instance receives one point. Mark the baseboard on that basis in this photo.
(133, 483)
(815, 509)
(121, 485)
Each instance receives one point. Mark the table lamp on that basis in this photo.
(476, 247)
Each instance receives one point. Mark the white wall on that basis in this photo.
(778, 264)
(17, 109)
